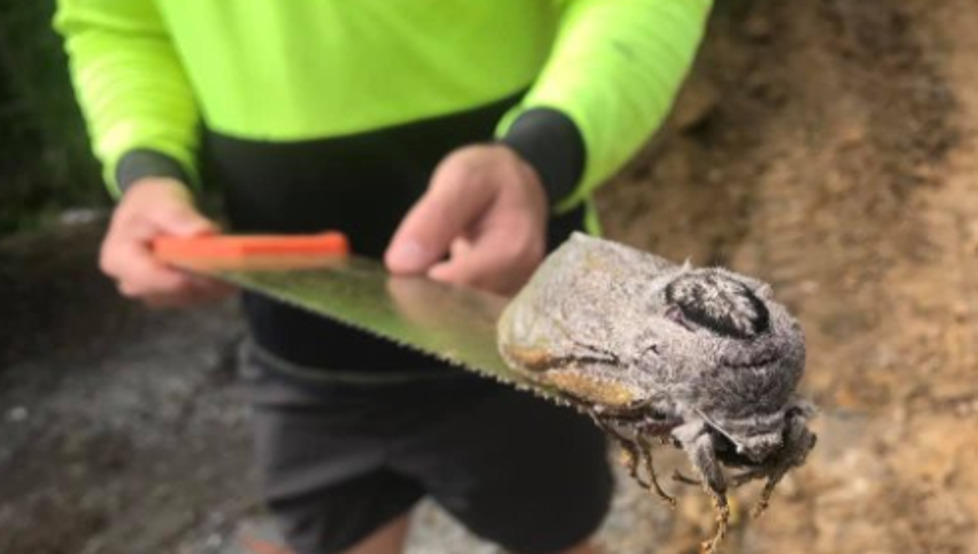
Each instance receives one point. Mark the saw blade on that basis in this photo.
(452, 323)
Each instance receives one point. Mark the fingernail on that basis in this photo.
(407, 256)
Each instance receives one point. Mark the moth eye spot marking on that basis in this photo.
(719, 303)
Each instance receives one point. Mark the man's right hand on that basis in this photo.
(150, 208)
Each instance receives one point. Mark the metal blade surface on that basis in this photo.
(455, 324)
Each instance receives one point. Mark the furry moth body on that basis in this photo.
(703, 358)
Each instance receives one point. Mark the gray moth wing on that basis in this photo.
(585, 310)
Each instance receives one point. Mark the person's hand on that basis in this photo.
(485, 209)
(155, 207)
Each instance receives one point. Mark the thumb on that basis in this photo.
(445, 212)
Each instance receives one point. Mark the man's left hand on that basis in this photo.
(481, 223)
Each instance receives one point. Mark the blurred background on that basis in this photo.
(827, 146)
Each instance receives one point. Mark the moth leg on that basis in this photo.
(678, 477)
(650, 469)
(635, 452)
(798, 444)
(762, 502)
(774, 474)
(632, 457)
(703, 458)
(632, 453)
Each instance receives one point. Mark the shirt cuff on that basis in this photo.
(552, 144)
(142, 163)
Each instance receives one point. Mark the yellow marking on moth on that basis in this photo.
(598, 391)
(532, 359)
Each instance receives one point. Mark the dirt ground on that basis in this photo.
(830, 147)
(827, 146)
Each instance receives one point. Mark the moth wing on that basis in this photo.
(585, 292)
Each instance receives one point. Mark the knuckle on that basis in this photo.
(108, 262)
(463, 168)
(524, 248)
(536, 250)
(114, 260)
(171, 212)
(125, 216)
(510, 250)
(463, 180)
(105, 264)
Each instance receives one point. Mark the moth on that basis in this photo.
(700, 358)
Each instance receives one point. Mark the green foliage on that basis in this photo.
(45, 160)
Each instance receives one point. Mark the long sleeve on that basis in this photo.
(612, 76)
(134, 94)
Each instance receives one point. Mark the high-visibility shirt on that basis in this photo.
(315, 114)
(147, 71)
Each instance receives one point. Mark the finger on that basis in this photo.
(444, 213)
(130, 239)
(500, 259)
(145, 276)
(181, 220)
(460, 247)
(132, 261)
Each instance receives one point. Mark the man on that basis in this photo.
(459, 140)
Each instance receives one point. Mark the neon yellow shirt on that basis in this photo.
(147, 71)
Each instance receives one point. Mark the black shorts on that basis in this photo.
(339, 460)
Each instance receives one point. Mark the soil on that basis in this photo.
(827, 146)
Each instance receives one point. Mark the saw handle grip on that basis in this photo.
(171, 249)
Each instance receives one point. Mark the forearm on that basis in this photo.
(139, 107)
(614, 72)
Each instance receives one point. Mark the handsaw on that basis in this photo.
(319, 274)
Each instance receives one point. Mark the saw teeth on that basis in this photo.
(513, 379)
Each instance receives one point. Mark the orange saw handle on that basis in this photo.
(173, 249)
